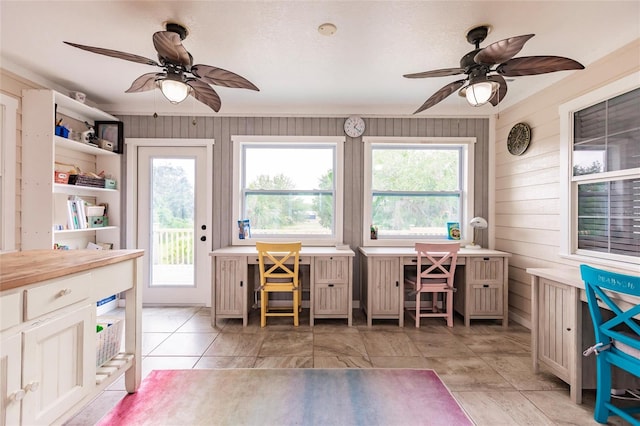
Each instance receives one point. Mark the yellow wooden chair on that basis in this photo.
(279, 272)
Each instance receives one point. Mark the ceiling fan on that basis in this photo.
(180, 77)
(486, 67)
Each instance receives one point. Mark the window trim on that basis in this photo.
(239, 140)
(569, 184)
(467, 181)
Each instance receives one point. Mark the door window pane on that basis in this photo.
(173, 207)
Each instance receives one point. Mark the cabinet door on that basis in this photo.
(10, 390)
(557, 325)
(59, 366)
(384, 286)
(231, 286)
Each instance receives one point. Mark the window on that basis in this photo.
(288, 188)
(604, 178)
(413, 187)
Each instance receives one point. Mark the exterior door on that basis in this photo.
(172, 224)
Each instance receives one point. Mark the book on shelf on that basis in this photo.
(77, 213)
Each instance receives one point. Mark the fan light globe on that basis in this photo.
(479, 94)
(175, 91)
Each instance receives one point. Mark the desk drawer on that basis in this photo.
(331, 299)
(332, 270)
(10, 310)
(56, 294)
(486, 270)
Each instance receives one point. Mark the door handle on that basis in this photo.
(203, 238)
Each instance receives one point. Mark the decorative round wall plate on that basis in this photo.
(519, 138)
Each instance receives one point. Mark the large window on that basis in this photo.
(604, 181)
(415, 187)
(288, 188)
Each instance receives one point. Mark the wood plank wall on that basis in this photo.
(527, 199)
(222, 128)
(12, 85)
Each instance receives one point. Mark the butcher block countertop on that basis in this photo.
(22, 268)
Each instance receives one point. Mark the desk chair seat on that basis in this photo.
(279, 273)
(435, 270)
(617, 339)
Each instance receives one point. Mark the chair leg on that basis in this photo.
(263, 308)
(603, 389)
(418, 310)
(295, 307)
(449, 297)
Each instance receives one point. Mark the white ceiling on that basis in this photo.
(276, 45)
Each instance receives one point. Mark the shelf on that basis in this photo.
(63, 188)
(80, 111)
(82, 147)
(73, 231)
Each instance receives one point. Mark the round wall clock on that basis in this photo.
(518, 139)
(354, 126)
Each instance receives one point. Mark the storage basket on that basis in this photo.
(81, 180)
(108, 340)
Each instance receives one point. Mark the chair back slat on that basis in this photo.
(272, 258)
(438, 259)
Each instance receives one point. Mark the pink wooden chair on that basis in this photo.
(435, 270)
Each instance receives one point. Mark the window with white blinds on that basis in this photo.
(606, 176)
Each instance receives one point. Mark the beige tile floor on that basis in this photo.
(486, 367)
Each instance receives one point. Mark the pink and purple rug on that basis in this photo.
(289, 397)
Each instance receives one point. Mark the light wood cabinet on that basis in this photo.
(231, 293)
(482, 289)
(332, 289)
(44, 202)
(382, 295)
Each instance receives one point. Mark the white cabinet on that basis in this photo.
(48, 341)
(11, 389)
(332, 289)
(44, 203)
(58, 368)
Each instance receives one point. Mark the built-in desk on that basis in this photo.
(330, 282)
(482, 282)
(561, 328)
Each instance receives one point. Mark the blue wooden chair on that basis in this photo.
(617, 339)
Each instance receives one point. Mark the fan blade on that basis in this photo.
(169, 46)
(145, 82)
(441, 94)
(502, 50)
(205, 94)
(115, 54)
(532, 65)
(502, 91)
(221, 77)
(436, 73)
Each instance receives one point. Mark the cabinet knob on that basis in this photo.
(64, 292)
(203, 238)
(485, 285)
(32, 387)
(330, 285)
(17, 395)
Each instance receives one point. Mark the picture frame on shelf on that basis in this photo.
(111, 132)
